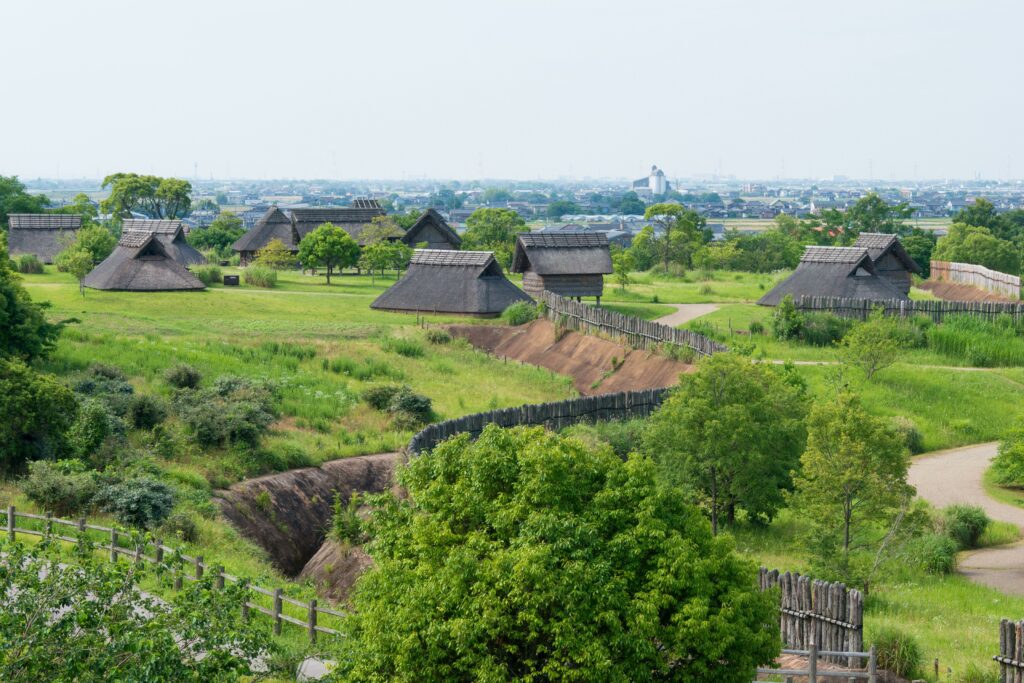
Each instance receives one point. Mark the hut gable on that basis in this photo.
(141, 262)
(272, 225)
(351, 218)
(834, 271)
(42, 234)
(433, 229)
(171, 233)
(571, 264)
(450, 281)
(890, 258)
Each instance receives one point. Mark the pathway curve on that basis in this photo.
(955, 476)
(685, 313)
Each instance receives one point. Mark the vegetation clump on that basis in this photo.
(438, 337)
(208, 275)
(410, 348)
(64, 487)
(519, 313)
(236, 410)
(142, 502)
(29, 264)
(898, 652)
(409, 409)
(965, 524)
(183, 376)
(260, 276)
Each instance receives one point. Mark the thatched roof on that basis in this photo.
(171, 232)
(352, 218)
(449, 281)
(431, 219)
(834, 271)
(562, 253)
(273, 225)
(879, 244)
(42, 234)
(141, 262)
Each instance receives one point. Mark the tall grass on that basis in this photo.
(29, 264)
(260, 276)
(208, 275)
(981, 343)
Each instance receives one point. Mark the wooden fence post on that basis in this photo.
(113, 545)
(10, 523)
(199, 566)
(219, 573)
(277, 611)
(873, 665)
(48, 530)
(81, 531)
(179, 571)
(311, 621)
(245, 610)
(812, 664)
(159, 550)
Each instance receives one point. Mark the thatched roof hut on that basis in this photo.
(171, 232)
(449, 281)
(433, 229)
(42, 234)
(272, 225)
(571, 264)
(834, 271)
(350, 218)
(890, 258)
(141, 262)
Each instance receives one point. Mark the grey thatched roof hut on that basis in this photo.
(890, 258)
(449, 281)
(42, 234)
(845, 272)
(350, 218)
(272, 225)
(571, 264)
(141, 263)
(171, 232)
(433, 229)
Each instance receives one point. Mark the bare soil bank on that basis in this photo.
(585, 358)
(335, 568)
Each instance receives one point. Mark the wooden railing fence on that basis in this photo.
(817, 613)
(1011, 651)
(812, 673)
(282, 609)
(981, 277)
(638, 333)
(860, 309)
(557, 415)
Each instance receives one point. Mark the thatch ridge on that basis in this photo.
(846, 272)
(42, 234)
(141, 262)
(879, 244)
(562, 253)
(272, 225)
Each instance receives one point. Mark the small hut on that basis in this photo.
(570, 264)
(449, 281)
(433, 229)
(272, 225)
(141, 262)
(171, 232)
(890, 258)
(352, 219)
(42, 234)
(846, 272)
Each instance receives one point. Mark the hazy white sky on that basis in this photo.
(512, 89)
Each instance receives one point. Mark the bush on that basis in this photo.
(898, 652)
(146, 411)
(823, 329)
(64, 487)
(107, 371)
(93, 424)
(436, 336)
(756, 327)
(347, 525)
(519, 313)
(403, 347)
(208, 275)
(180, 526)
(410, 409)
(260, 276)
(934, 553)
(183, 376)
(909, 433)
(29, 264)
(379, 397)
(965, 524)
(787, 322)
(235, 410)
(142, 502)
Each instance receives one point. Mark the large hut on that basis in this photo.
(352, 219)
(449, 281)
(272, 225)
(434, 230)
(171, 233)
(890, 258)
(570, 264)
(141, 262)
(41, 234)
(846, 272)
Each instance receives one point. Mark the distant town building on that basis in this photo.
(653, 185)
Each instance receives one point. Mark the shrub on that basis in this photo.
(934, 553)
(379, 397)
(64, 487)
(519, 313)
(756, 327)
(409, 348)
(260, 276)
(106, 371)
(898, 652)
(146, 411)
(208, 275)
(180, 526)
(347, 525)
(1008, 465)
(29, 264)
(787, 322)
(436, 336)
(235, 410)
(706, 290)
(823, 329)
(142, 502)
(183, 376)
(410, 409)
(965, 524)
(909, 433)
(93, 424)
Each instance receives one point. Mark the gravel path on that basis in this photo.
(685, 313)
(955, 476)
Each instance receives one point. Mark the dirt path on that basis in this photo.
(955, 476)
(685, 313)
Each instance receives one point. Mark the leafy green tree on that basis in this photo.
(95, 240)
(81, 205)
(919, 245)
(406, 220)
(77, 261)
(14, 199)
(530, 556)
(643, 251)
(630, 205)
(152, 195)
(494, 230)
(682, 232)
(221, 199)
(446, 199)
(330, 247)
(972, 244)
(622, 264)
(380, 256)
(205, 205)
(732, 432)
(562, 207)
(276, 255)
(871, 213)
(219, 235)
(980, 214)
(853, 476)
(24, 330)
(36, 411)
(873, 345)
(381, 229)
(496, 195)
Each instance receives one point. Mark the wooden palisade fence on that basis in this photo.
(182, 567)
(637, 333)
(860, 309)
(828, 616)
(981, 277)
(618, 406)
(1011, 651)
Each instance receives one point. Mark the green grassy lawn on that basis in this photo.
(694, 287)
